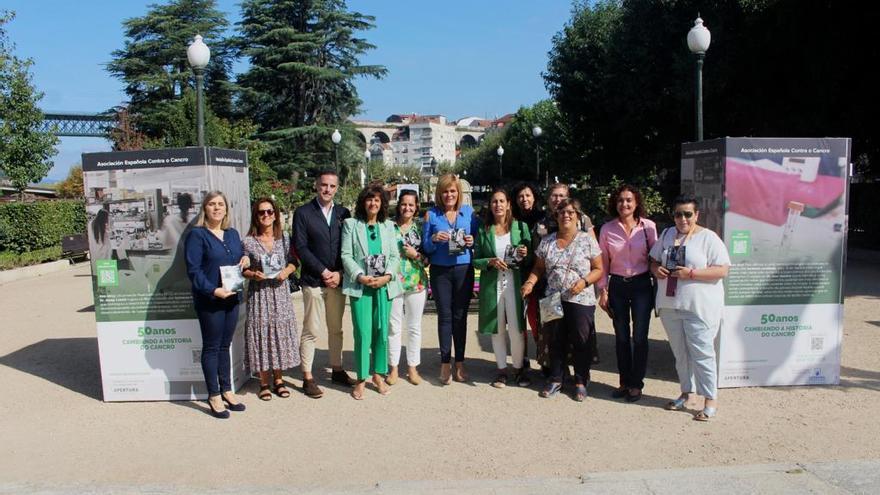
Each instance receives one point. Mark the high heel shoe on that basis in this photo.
(445, 374)
(237, 407)
(224, 414)
(459, 375)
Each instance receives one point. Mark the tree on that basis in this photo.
(24, 148)
(622, 76)
(72, 186)
(154, 67)
(304, 56)
(520, 149)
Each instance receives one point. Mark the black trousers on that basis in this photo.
(571, 332)
(631, 301)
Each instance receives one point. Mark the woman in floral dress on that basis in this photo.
(271, 333)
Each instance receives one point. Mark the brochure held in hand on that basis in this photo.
(231, 278)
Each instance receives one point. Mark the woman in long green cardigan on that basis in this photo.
(501, 248)
(369, 286)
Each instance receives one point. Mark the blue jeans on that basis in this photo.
(218, 326)
(452, 288)
(693, 344)
(633, 298)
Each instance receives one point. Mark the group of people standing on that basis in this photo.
(544, 268)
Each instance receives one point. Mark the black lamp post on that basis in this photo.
(198, 55)
(500, 152)
(698, 40)
(336, 137)
(536, 133)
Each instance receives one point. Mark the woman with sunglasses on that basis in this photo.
(370, 262)
(690, 262)
(625, 289)
(271, 331)
(572, 261)
(407, 308)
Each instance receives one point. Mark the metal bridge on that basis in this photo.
(78, 124)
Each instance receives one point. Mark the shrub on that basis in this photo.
(27, 227)
(9, 259)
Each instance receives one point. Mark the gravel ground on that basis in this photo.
(55, 429)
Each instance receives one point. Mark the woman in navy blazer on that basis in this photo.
(212, 243)
(452, 275)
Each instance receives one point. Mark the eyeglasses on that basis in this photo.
(266, 213)
(569, 213)
(686, 214)
(372, 229)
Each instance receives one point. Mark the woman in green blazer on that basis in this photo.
(370, 259)
(501, 249)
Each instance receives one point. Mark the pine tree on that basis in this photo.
(154, 67)
(304, 56)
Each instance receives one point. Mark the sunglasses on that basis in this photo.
(685, 214)
(266, 213)
(372, 229)
(569, 213)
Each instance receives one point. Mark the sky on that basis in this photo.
(456, 58)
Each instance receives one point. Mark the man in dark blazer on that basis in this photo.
(317, 232)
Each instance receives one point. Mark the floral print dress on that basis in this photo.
(271, 331)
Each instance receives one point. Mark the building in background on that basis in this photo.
(423, 141)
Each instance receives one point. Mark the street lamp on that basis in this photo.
(336, 137)
(698, 40)
(536, 132)
(198, 54)
(367, 157)
(500, 152)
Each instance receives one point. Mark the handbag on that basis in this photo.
(551, 306)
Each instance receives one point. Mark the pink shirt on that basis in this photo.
(622, 255)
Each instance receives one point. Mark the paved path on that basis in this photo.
(57, 436)
(841, 477)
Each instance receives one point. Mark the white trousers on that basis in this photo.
(508, 322)
(693, 344)
(406, 315)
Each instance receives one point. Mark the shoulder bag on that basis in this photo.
(550, 306)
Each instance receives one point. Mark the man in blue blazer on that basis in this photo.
(317, 234)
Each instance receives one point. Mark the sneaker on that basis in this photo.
(500, 380)
(522, 378)
(342, 378)
(311, 389)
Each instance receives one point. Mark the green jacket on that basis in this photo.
(484, 250)
(354, 249)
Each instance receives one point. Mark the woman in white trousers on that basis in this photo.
(406, 309)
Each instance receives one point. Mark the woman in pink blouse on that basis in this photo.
(626, 290)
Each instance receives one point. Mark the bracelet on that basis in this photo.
(691, 274)
(528, 282)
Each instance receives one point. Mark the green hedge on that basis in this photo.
(9, 259)
(30, 226)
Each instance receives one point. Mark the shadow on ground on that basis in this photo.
(858, 378)
(71, 363)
